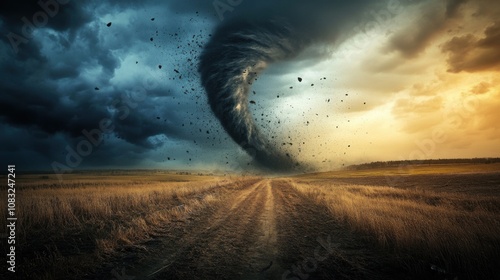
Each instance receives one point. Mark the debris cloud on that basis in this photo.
(247, 43)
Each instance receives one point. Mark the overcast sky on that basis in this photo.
(406, 80)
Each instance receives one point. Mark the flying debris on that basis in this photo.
(252, 102)
(244, 46)
(109, 24)
(96, 88)
(228, 69)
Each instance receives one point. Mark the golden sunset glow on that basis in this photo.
(409, 86)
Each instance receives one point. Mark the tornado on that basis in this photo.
(242, 47)
(229, 64)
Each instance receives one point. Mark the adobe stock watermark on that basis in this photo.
(302, 269)
(93, 138)
(48, 9)
(223, 6)
(427, 147)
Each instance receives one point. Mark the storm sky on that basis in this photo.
(387, 81)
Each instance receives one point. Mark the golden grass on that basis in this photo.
(422, 169)
(89, 178)
(121, 212)
(456, 231)
(86, 218)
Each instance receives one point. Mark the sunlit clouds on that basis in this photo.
(431, 70)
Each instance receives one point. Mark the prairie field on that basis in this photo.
(423, 222)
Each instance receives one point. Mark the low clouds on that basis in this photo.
(418, 114)
(470, 53)
(481, 88)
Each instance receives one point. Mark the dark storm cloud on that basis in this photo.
(430, 21)
(64, 80)
(144, 122)
(21, 18)
(246, 43)
(194, 6)
(41, 109)
(31, 96)
(67, 14)
(472, 54)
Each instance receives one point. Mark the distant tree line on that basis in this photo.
(382, 164)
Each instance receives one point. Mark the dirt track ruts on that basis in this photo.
(265, 230)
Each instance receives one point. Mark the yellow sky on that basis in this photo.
(423, 83)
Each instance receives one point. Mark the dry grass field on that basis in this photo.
(426, 222)
(442, 215)
(87, 216)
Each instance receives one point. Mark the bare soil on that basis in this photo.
(266, 230)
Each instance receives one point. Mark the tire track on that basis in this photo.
(217, 244)
(264, 230)
(264, 256)
(314, 246)
(238, 241)
(177, 239)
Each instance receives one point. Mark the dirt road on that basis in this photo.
(263, 230)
